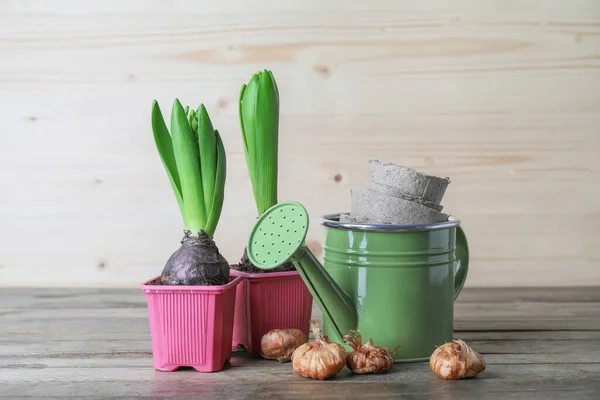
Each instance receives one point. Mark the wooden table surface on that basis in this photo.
(94, 343)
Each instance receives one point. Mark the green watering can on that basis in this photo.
(395, 284)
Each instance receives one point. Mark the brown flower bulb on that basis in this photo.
(456, 360)
(320, 359)
(279, 344)
(368, 358)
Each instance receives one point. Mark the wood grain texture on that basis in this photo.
(538, 343)
(501, 97)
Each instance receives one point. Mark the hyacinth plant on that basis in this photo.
(259, 120)
(194, 159)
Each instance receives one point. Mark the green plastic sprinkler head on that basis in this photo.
(278, 236)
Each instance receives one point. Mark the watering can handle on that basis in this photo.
(461, 263)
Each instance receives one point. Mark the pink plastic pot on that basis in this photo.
(278, 300)
(191, 326)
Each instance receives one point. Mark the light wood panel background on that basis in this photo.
(502, 96)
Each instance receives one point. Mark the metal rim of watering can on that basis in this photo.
(332, 221)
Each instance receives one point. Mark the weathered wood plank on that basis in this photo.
(128, 323)
(131, 358)
(257, 370)
(482, 311)
(247, 391)
(136, 322)
(91, 298)
(479, 314)
(410, 379)
(143, 335)
(532, 294)
(514, 351)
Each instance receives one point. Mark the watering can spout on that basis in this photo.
(335, 305)
(278, 236)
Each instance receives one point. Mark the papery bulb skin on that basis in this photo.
(279, 344)
(368, 358)
(475, 363)
(320, 359)
(456, 360)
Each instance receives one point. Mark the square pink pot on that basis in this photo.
(278, 300)
(191, 326)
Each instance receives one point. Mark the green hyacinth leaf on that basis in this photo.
(188, 167)
(207, 143)
(164, 145)
(218, 191)
(267, 134)
(247, 118)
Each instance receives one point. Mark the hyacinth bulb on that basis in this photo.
(279, 344)
(320, 359)
(197, 262)
(367, 358)
(456, 360)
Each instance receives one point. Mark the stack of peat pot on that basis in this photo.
(397, 195)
